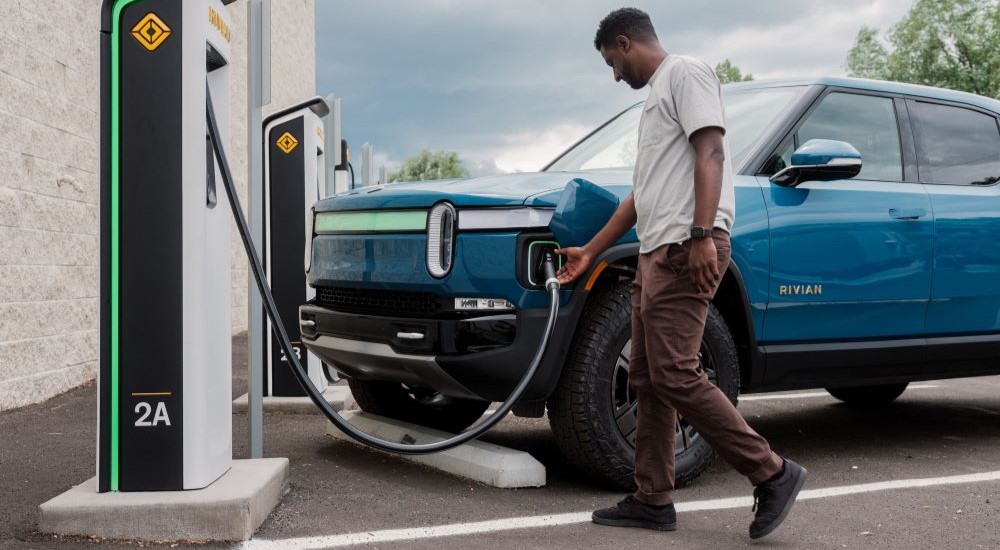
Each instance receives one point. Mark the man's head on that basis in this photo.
(628, 42)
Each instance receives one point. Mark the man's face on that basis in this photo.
(619, 58)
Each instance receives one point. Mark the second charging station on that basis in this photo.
(294, 179)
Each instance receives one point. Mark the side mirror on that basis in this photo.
(820, 160)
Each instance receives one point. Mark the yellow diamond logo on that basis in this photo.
(287, 142)
(151, 31)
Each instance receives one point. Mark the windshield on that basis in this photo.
(614, 146)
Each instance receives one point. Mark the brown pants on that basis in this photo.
(668, 319)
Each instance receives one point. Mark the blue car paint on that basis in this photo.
(584, 209)
(506, 190)
(896, 278)
(819, 152)
(483, 268)
(965, 294)
(874, 271)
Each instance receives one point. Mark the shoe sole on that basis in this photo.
(788, 506)
(635, 523)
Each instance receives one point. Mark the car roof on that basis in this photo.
(875, 86)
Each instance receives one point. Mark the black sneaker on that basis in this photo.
(632, 513)
(773, 499)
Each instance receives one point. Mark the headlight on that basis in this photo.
(440, 239)
(504, 218)
(310, 218)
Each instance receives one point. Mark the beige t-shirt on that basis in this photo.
(685, 96)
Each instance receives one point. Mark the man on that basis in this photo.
(683, 207)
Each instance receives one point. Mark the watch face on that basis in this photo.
(698, 233)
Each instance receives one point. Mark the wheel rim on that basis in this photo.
(625, 404)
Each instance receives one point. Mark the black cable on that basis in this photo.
(351, 168)
(552, 284)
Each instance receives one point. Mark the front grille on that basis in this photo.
(384, 303)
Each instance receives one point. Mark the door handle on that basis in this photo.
(907, 213)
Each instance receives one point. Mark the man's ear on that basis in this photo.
(624, 43)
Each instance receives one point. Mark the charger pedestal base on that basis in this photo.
(476, 460)
(230, 509)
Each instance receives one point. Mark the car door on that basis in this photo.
(850, 259)
(958, 154)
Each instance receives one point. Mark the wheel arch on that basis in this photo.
(732, 301)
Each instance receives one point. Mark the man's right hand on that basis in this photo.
(578, 260)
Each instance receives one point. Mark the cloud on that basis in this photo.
(487, 167)
(515, 82)
(530, 150)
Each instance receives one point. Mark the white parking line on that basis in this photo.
(770, 396)
(509, 524)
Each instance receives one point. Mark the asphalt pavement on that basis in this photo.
(923, 472)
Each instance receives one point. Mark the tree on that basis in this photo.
(727, 72)
(868, 58)
(430, 165)
(947, 43)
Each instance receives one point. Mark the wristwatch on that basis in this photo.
(700, 233)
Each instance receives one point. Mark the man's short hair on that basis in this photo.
(632, 23)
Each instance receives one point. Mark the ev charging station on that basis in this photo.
(164, 387)
(294, 179)
(165, 422)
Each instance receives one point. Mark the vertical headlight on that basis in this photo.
(310, 220)
(440, 239)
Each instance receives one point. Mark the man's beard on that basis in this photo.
(634, 82)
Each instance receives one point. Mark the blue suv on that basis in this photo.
(858, 276)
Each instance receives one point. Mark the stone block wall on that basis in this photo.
(49, 180)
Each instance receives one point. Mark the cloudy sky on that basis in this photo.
(510, 84)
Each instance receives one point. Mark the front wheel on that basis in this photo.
(416, 405)
(592, 412)
(869, 395)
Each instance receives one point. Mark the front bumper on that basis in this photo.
(479, 358)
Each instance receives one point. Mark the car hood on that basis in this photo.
(507, 190)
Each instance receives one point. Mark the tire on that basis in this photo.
(593, 385)
(416, 405)
(869, 395)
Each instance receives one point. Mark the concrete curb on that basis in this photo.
(479, 461)
(230, 509)
(337, 396)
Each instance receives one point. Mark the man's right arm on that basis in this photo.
(578, 259)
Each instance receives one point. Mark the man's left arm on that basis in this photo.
(710, 156)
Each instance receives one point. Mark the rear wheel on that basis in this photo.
(416, 405)
(592, 412)
(869, 395)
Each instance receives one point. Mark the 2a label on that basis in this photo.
(145, 410)
(298, 354)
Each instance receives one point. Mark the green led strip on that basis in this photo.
(115, 222)
(332, 223)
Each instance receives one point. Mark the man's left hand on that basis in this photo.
(703, 264)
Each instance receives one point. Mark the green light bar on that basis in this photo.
(399, 221)
(114, 329)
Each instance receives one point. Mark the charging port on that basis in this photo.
(536, 260)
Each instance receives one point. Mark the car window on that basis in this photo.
(866, 122)
(749, 113)
(956, 145)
